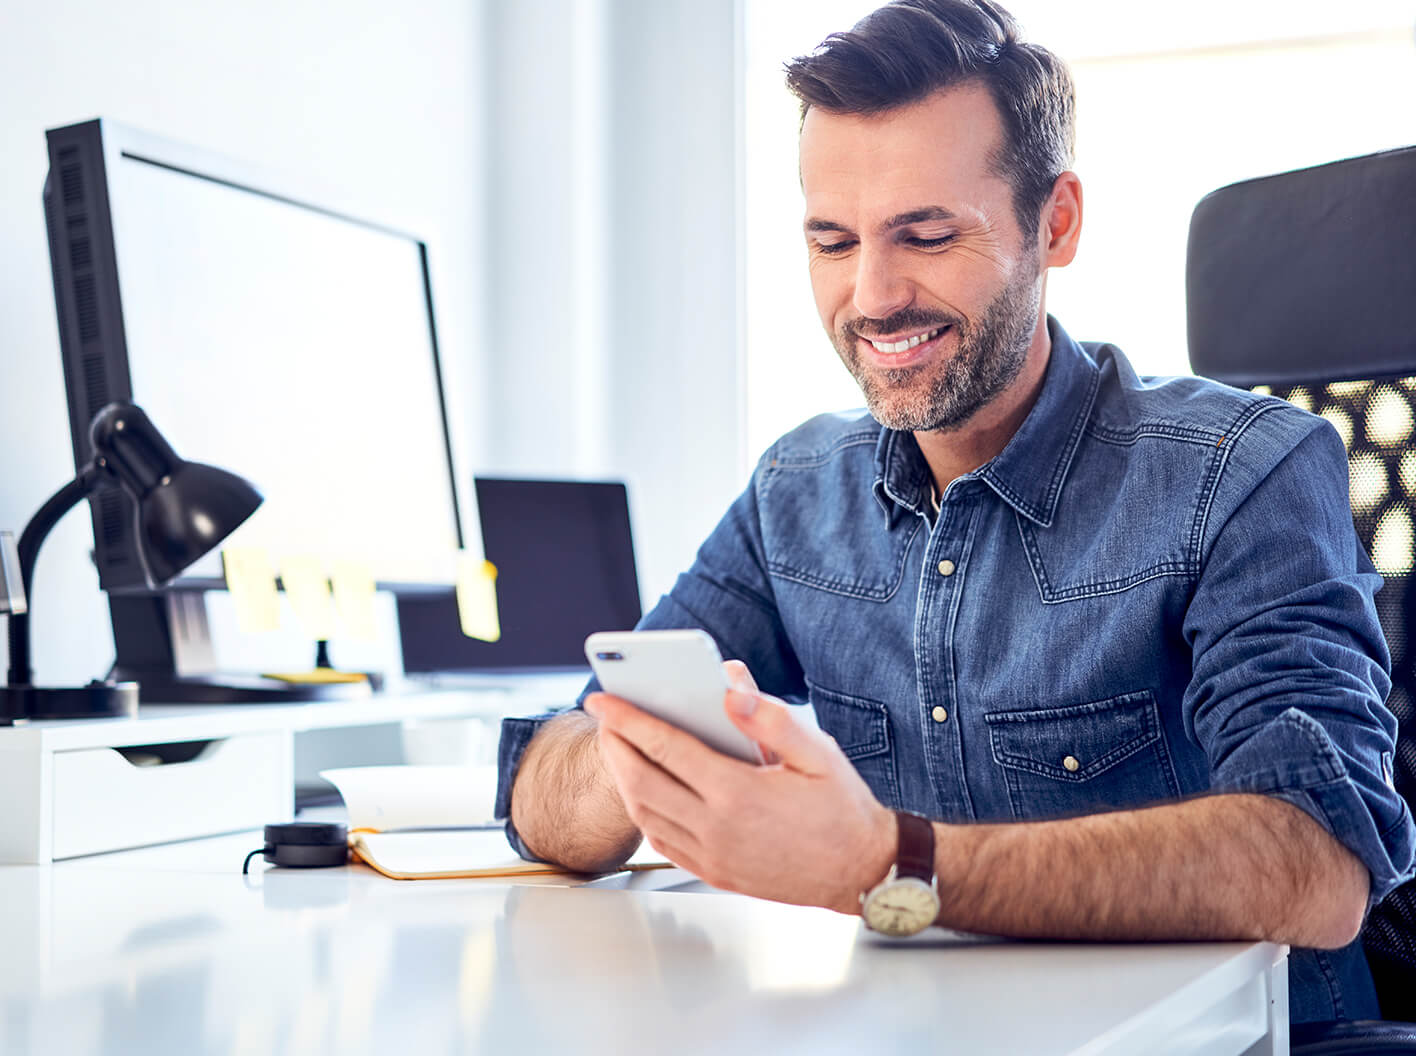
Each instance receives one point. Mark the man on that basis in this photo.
(1115, 638)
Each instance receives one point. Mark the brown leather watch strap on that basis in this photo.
(915, 856)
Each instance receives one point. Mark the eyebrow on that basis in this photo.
(913, 216)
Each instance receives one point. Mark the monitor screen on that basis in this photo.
(283, 341)
(565, 568)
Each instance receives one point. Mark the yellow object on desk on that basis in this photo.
(307, 587)
(435, 823)
(319, 676)
(354, 599)
(477, 598)
(250, 579)
(454, 854)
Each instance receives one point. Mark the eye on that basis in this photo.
(931, 243)
(834, 249)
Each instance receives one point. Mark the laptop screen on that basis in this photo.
(565, 568)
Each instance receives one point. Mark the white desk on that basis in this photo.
(170, 950)
(67, 790)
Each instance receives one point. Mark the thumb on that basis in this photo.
(769, 722)
(739, 677)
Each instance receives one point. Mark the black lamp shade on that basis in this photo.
(189, 515)
(184, 509)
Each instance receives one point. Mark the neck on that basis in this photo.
(952, 453)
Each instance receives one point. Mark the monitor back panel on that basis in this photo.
(565, 568)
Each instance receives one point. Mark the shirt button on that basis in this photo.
(939, 713)
(946, 567)
(1070, 763)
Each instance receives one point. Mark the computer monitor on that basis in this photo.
(286, 341)
(564, 554)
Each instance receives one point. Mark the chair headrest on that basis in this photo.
(1306, 276)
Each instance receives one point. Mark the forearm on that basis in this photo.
(1220, 867)
(564, 803)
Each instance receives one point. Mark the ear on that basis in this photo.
(1060, 223)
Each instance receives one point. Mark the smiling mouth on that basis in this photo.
(894, 348)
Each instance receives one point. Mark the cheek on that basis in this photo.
(963, 283)
(832, 291)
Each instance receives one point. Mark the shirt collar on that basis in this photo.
(1029, 472)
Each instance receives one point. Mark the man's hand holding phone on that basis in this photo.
(801, 827)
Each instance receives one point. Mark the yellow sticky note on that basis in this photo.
(354, 598)
(307, 587)
(477, 598)
(251, 580)
(320, 676)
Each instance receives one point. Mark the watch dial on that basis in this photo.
(904, 908)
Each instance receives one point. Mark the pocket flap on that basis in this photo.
(1074, 743)
(861, 726)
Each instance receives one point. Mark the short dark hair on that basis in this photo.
(909, 49)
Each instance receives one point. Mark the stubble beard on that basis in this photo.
(989, 356)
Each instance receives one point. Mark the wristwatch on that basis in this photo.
(907, 900)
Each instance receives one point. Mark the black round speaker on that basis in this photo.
(305, 844)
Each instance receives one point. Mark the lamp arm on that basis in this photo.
(89, 479)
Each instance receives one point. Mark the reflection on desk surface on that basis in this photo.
(106, 960)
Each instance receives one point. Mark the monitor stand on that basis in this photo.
(163, 643)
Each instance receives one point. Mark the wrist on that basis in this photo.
(906, 901)
(875, 860)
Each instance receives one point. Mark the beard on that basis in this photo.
(944, 395)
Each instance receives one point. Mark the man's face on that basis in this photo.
(928, 288)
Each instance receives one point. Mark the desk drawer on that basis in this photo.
(105, 802)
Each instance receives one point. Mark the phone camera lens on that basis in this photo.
(609, 656)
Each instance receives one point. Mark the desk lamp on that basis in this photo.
(183, 510)
(12, 592)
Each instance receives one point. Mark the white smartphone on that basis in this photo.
(675, 675)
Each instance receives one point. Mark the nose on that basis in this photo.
(881, 287)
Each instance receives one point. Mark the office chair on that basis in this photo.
(1303, 285)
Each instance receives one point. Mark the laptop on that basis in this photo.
(565, 568)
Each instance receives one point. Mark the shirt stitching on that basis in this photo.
(810, 461)
(1250, 414)
(841, 587)
(1163, 430)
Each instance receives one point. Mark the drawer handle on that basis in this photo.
(171, 754)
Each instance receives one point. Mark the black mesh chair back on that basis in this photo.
(1304, 285)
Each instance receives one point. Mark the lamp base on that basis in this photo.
(97, 700)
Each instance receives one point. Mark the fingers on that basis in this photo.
(644, 786)
(739, 677)
(769, 722)
(671, 839)
(680, 754)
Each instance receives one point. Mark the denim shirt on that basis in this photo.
(1154, 591)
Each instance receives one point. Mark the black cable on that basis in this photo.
(246, 865)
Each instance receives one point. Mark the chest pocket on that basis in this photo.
(1107, 755)
(862, 728)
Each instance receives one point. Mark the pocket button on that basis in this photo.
(1070, 763)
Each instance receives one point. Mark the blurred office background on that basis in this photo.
(609, 190)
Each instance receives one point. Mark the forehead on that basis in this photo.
(935, 152)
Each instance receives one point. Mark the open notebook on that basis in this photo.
(434, 823)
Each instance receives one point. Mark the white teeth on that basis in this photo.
(892, 347)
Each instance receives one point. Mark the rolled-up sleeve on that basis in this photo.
(1290, 674)
(728, 593)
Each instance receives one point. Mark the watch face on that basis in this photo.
(903, 906)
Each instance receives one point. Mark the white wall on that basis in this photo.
(613, 322)
(572, 163)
